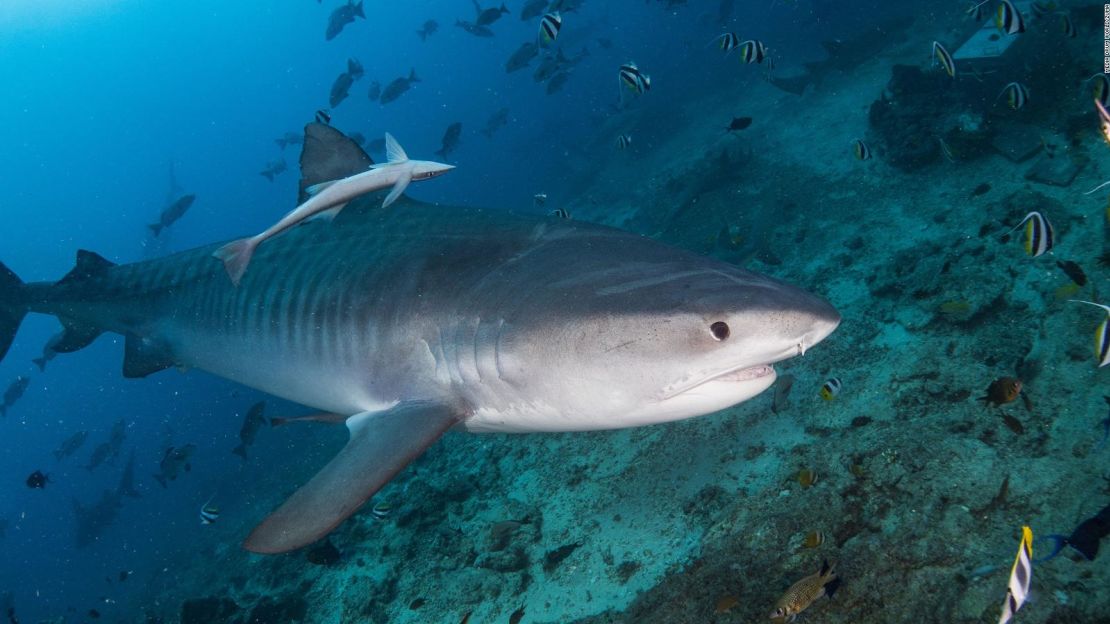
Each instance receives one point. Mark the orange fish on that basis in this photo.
(1002, 390)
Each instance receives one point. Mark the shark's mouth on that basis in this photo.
(739, 374)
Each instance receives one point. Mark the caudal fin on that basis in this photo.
(240, 450)
(156, 228)
(12, 309)
(236, 255)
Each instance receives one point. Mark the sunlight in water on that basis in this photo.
(48, 13)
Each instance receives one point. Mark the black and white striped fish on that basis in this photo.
(830, 389)
(209, 513)
(1039, 235)
(726, 42)
(945, 59)
(753, 51)
(1008, 19)
(623, 141)
(560, 213)
(631, 77)
(1016, 94)
(1102, 335)
(860, 149)
(550, 25)
(323, 116)
(1020, 575)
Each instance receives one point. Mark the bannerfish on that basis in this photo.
(1102, 336)
(1016, 94)
(560, 213)
(1008, 19)
(209, 513)
(172, 213)
(624, 141)
(1067, 27)
(396, 88)
(550, 26)
(944, 58)
(805, 592)
(861, 150)
(753, 51)
(323, 116)
(416, 321)
(1101, 90)
(630, 76)
(326, 199)
(1103, 118)
(1020, 575)
(727, 42)
(1039, 234)
(381, 510)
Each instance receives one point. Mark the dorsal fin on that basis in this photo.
(89, 264)
(328, 155)
(394, 153)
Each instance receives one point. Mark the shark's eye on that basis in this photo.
(719, 330)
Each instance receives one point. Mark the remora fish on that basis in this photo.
(172, 213)
(326, 199)
(417, 320)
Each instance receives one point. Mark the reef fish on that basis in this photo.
(945, 59)
(496, 121)
(830, 389)
(630, 76)
(1039, 235)
(340, 17)
(727, 42)
(805, 592)
(209, 513)
(70, 445)
(252, 422)
(861, 150)
(1008, 18)
(753, 51)
(1020, 576)
(485, 17)
(174, 461)
(37, 480)
(450, 139)
(274, 167)
(532, 8)
(14, 392)
(427, 318)
(1016, 94)
(624, 141)
(172, 213)
(396, 88)
(429, 28)
(474, 29)
(1102, 335)
(522, 57)
(1001, 391)
(550, 26)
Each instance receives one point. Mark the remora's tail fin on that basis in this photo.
(236, 255)
(12, 309)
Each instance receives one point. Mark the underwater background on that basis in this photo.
(900, 475)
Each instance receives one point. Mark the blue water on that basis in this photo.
(102, 97)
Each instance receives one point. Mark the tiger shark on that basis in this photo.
(411, 321)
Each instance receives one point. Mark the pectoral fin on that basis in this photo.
(398, 188)
(381, 444)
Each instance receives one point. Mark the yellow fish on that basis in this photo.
(805, 592)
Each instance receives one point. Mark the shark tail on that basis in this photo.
(358, 10)
(41, 363)
(156, 228)
(12, 308)
(236, 255)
